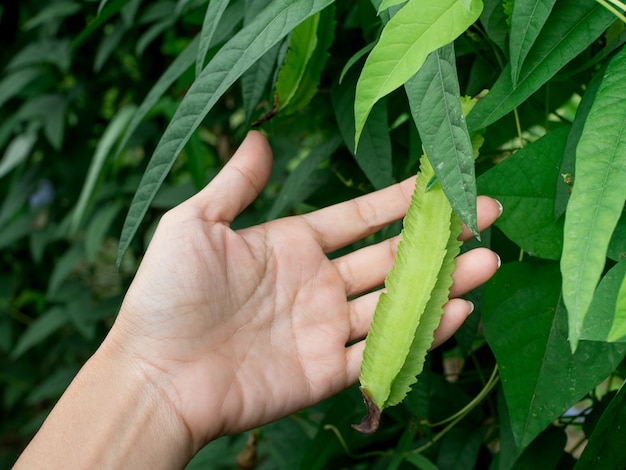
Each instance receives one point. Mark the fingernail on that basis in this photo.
(500, 207)
(499, 260)
(471, 306)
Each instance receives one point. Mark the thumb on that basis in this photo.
(239, 182)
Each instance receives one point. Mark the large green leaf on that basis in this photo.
(411, 34)
(525, 324)
(570, 29)
(526, 22)
(230, 62)
(598, 195)
(605, 449)
(525, 185)
(435, 101)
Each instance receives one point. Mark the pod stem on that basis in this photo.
(371, 420)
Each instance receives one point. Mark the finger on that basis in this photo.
(489, 210)
(239, 182)
(455, 313)
(366, 268)
(361, 311)
(349, 221)
(473, 269)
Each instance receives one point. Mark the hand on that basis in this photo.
(239, 328)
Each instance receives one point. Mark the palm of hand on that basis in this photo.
(263, 305)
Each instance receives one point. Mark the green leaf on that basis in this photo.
(16, 82)
(602, 317)
(617, 245)
(17, 151)
(618, 329)
(494, 21)
(64, 267)
(374, 157)
(435, 101)
(296, 186)
(525, 324)
(570, 29)
(526, 22)
(302, 44)
(254, 81)
(389, 3)
(525, 185)
(49, 322)
(421, 462)
(567, 169)
(103, 149)
(354, 59)
(308, 84)
(605, 448)
(415, 31)
(55, 11)
(230, 62)
(212, 18)
(105, 13)
(598, 195)
(182, 63)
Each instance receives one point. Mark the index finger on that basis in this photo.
(341, 224)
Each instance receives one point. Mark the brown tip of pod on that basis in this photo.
(371, 420)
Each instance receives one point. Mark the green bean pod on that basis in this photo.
(407, 314)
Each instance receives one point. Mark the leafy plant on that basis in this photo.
(115, 111)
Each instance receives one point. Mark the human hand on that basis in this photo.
(239, 328)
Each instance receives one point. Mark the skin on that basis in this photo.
(222, 331)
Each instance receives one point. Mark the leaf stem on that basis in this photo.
(613, 10)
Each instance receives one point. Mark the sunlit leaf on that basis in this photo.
(411, 34)
(302, 44)
(435, 101)
(598, 194)
(309, 82)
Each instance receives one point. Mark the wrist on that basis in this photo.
(111, 416)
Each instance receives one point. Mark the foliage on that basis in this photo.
(115, 111)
